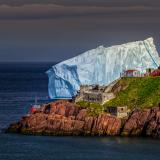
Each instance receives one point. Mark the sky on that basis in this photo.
(55, 30)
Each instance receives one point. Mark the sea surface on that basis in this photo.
(20, 83)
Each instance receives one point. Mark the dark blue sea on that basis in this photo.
(20, 83)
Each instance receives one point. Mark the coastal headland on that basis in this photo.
(136, 113)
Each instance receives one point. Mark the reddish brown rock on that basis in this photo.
(65, 118)
(136, 122)
(106, 125)
(143, 123)
(88, 124)
(81, 115)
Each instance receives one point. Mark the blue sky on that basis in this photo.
(54, 30)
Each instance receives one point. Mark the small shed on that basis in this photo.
(120, 111)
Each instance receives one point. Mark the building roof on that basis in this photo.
(130, 70)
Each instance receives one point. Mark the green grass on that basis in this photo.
(93, 108)
(141, 93)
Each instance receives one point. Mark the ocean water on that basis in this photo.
(19, 85)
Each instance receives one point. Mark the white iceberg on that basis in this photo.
(100, 66)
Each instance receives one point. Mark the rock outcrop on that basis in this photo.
(143, 123)
(66, 118)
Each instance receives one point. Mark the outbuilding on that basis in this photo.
(131, 73)
(120, 111)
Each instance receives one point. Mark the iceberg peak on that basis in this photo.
(100, 66)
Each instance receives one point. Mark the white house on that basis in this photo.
(131, 73)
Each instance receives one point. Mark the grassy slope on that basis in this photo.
(141, 93)
(93, 108)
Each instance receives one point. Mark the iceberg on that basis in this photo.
(100, 66)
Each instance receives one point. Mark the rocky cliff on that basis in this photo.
(65, 118)
(144, 122)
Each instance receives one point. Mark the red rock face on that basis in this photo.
(143, 123)
(106, 125)
(65, 118)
